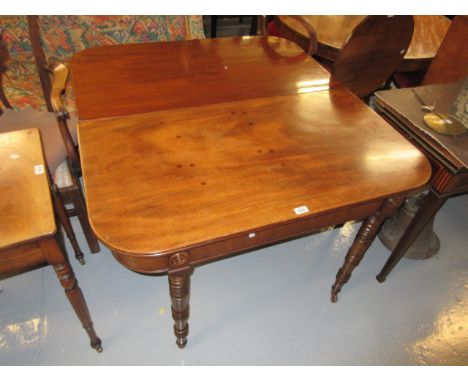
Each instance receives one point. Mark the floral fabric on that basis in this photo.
(22, 86)
(15, 35)
(63, 36)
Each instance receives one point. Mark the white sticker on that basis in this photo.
(301, 210)
(251, 235)
(14, 156)
(39, 169)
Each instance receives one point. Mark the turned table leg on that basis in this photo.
(67, 279)
(363, 240)
(179, 288)
(429, 207)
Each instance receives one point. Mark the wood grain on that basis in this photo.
(137, 78)
(25, 203)
(162, 181)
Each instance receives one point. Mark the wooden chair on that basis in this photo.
(29, 237)
(60, 150)
(308, 44)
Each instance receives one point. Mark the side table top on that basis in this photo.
(404, 106)
(25, 203)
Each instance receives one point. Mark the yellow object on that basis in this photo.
(444, 124)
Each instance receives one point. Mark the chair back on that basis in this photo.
(372, 52)
(451, 61)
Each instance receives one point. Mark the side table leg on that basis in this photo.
(179, 288)
(429, 207)
(363, 240)
(73, 292)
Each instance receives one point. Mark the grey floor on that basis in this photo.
(265, 307)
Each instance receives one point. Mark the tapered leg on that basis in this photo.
(65, 222)
(77, 199)
(179, 288)
(363, 240)
(65, 274)
(429, 207)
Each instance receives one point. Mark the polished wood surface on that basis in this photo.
(277, 154)
(332, 32)
(28, 236)
(225, 165)
(189, 73)
(25, 198)
(451, 61)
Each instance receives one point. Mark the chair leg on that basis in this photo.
(65, 222)
(79, 203)
(57, 258)
(75, 196)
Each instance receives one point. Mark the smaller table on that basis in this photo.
(28, 234)
(448, 154)
(332, 31)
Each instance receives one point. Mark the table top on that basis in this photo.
(25, 204)
(404, 106)
(202, 170)
(141, 78)
(332, 31)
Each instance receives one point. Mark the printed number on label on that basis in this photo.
(301, 210)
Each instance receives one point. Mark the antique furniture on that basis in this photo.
(196, 150)
(332, 32)
(28, 234)
(369, 54)
(448, 154)
(38, 47)
(309, 44)
(60, 151)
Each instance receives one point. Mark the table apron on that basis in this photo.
(158, 263)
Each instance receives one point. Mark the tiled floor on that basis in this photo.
(265, 307)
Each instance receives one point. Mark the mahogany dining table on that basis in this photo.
(332, 32)
(193, 151)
